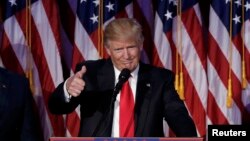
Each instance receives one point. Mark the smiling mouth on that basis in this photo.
(127, 63)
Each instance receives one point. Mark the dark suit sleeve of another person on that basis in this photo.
(18, 121)
(175, 111)
(31, 130)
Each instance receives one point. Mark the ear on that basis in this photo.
(141, 47)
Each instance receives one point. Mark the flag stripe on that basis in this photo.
(149, 45)
(7, 53)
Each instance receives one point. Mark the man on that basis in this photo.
(153, 90)
(17, 116)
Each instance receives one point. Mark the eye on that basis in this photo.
(132, 47)
(118, 50)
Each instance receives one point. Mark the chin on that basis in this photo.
(129, 66)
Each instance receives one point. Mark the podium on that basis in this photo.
(125, 139)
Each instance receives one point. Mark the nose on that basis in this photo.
(126, 53)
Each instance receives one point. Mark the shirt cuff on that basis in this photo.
(66, 94)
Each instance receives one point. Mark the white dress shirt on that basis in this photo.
(132, 83)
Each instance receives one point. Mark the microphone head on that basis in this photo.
(124, 75)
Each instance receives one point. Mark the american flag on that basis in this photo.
(228, 62)
(45, 39)
(179, 43)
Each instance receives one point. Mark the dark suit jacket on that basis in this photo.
(17, 118)
(156, 99)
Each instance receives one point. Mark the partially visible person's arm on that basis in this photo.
(75, 84)
(30, 129)
(61, 101)
(175, 111)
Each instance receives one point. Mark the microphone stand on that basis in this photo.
(104, 126)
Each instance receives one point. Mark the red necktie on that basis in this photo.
(126, 111)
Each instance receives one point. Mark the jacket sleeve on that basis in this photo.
(175, 111)
(57, 103)
(30, 129)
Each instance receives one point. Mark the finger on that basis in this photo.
(76, 86)
(80, 73)
(74, 93)
(75, 90)
(79, 81)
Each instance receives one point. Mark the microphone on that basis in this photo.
(123, 77)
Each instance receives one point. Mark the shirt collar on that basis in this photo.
(134, 73)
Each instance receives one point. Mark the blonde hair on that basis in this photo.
(123, 29)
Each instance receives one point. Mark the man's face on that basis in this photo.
(124, 54)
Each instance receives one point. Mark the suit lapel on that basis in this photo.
(143, 94)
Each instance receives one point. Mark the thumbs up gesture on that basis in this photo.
(75, 84)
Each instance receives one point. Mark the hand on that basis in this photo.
(75, 84)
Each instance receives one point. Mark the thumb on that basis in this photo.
(81, 72)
